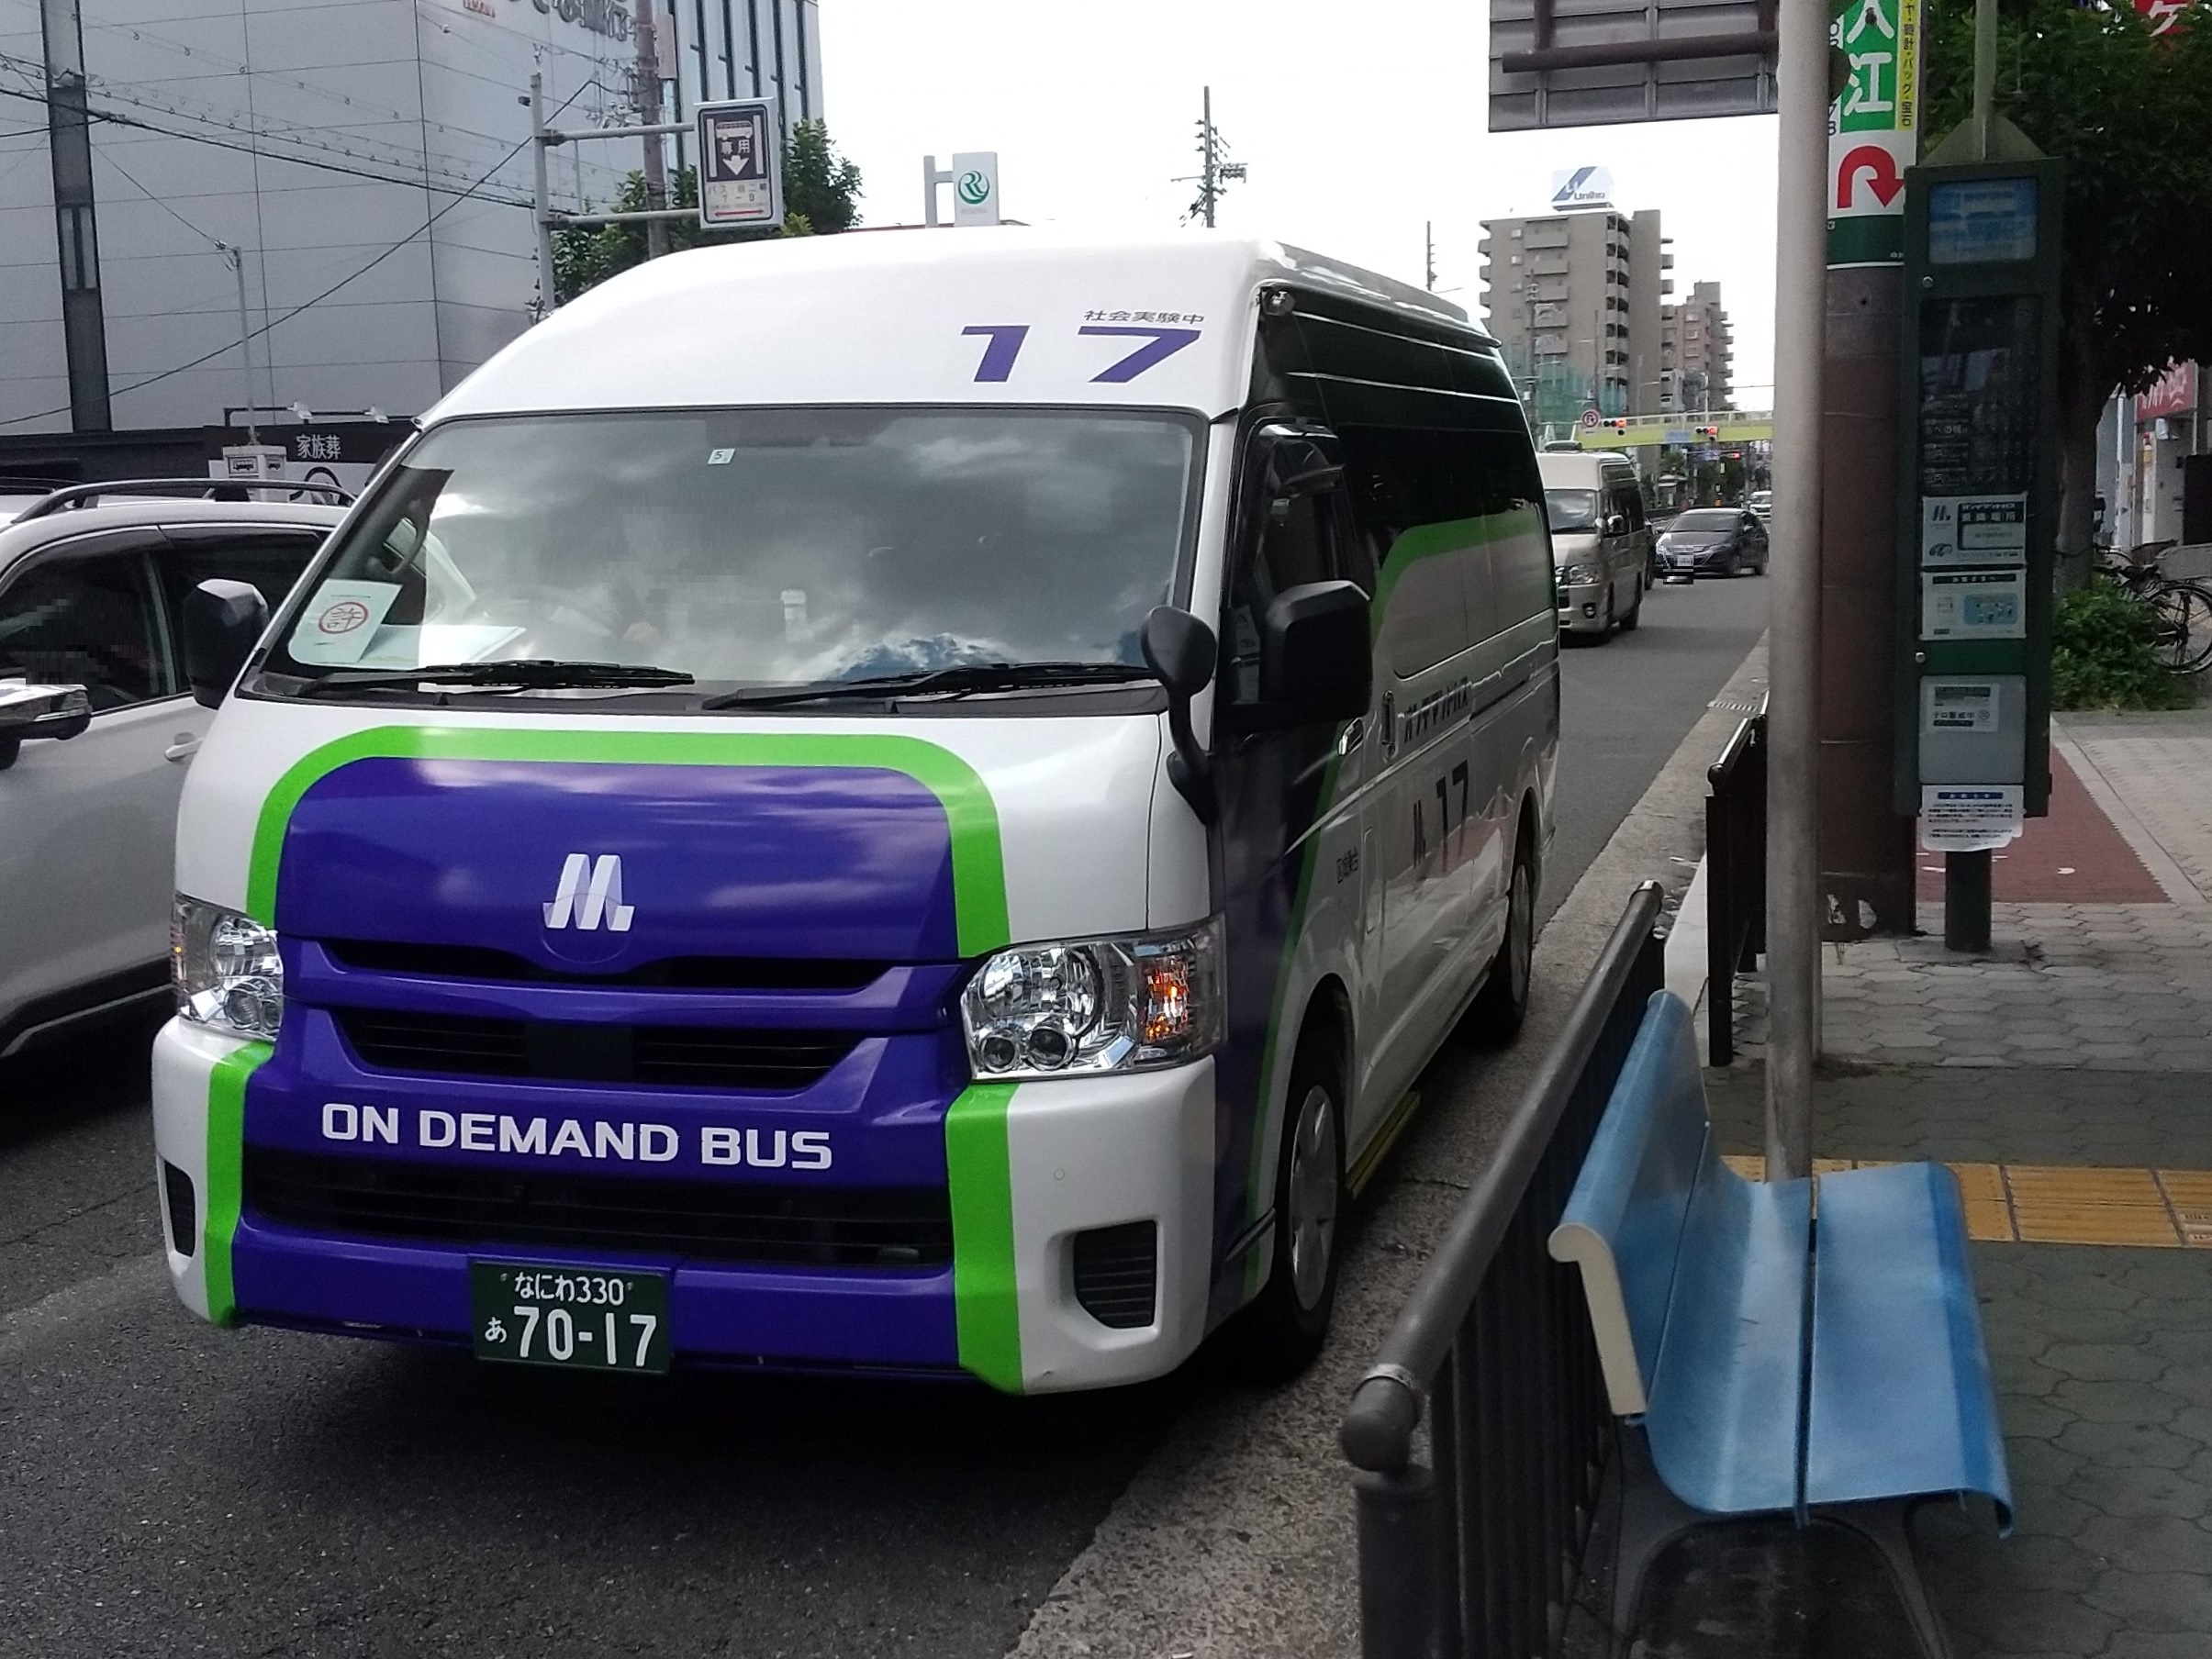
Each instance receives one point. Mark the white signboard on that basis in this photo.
(1582, 187)
(975, 187)
(1973, 605)
(1977, 818)
(1974, 529)
(740, 177)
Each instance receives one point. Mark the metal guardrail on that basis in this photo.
(1736, 876)
(1478, 1551)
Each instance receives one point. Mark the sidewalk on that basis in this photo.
(2067, 1075)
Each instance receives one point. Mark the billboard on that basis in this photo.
(1605, 61)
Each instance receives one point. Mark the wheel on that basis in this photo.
(2183, 611)
(1607, 622)
(1635, 614)
(1494, 1017)
(1283, 1328)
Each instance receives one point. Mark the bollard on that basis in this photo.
(1966, 901)
(1399, 1597)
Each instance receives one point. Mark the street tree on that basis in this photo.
(2126, 110)
(821, 196)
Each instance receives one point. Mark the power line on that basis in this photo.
(424, 181)
(274, 322)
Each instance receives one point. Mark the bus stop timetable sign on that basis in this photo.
(741, 184)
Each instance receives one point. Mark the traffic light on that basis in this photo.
(1708, 432)
(1618, 426)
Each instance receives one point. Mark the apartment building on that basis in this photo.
(1576, 298)
(1697, 353)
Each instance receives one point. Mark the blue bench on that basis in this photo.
(1809, 1347)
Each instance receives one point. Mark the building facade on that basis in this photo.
(1697, 353)
(356, 178)
(1576, 300)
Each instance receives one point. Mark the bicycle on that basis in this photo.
(2181, 609)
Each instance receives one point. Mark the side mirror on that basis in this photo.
(30, 711)
(222, 622)
(1616, 524)
(1316, 655)
(1181, 651)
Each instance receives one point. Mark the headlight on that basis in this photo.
(225, 968)
(1095, 1005)
(1574, 576)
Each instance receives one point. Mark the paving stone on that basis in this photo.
(2148, 1544)
(2155, 1601)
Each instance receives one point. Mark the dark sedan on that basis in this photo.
(1713, 541)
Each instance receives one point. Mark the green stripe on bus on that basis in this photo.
(226, 1150)
(979, 871)
(987, 1305)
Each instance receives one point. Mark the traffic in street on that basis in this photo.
(172, 1489)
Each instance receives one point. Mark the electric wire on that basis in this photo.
(277, 321)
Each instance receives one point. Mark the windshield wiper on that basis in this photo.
(527, 674)
(967, 677)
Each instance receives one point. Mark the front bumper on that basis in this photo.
(1582, 607)
(1032, 1166)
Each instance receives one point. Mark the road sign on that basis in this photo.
(975, 187)
(1590, 420)
(1873, 128)
(740, 176)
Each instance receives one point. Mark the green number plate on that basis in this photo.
(587, 1318)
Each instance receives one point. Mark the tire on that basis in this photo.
(1282, 1330)
(1610, 621)
(1635, 614)
(2183, 612)
(1494, 1018)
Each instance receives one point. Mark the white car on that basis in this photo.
(91, 584)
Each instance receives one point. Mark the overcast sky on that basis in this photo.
(1359, 121)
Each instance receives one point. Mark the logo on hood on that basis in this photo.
(590, 892)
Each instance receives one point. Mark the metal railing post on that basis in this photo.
(1400, 1581)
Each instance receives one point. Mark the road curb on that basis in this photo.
(1234, 1540)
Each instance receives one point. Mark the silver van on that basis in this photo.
(1601, 544)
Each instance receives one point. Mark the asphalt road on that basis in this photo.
(166, 1489)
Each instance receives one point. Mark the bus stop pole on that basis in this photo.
(1793, 675)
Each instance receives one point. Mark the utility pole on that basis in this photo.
(69, 153)
(649, 114)
(547, 296)
(237, 260)
(1793, 673)
(1213, 172)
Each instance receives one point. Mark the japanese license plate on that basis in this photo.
(587, 1318)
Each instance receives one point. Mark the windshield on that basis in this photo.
(1571, 509)
(760, 546)
(1705, 522)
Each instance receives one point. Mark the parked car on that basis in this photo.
(1715, 542)
(91, 651)
(1761, 504)
(1600, 542)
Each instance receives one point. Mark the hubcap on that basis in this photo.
(1314, 1187)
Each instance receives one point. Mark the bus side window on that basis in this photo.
(1296, 544)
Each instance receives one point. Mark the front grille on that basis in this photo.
(817, 1226)
(680, 972)
(678, 1056)
(1117, 1274)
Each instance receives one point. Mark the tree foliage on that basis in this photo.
(2102, 654)
(2128, 112)
(821, 196)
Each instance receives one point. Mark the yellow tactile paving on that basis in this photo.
(2053, 1204)
(2189, 1191)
